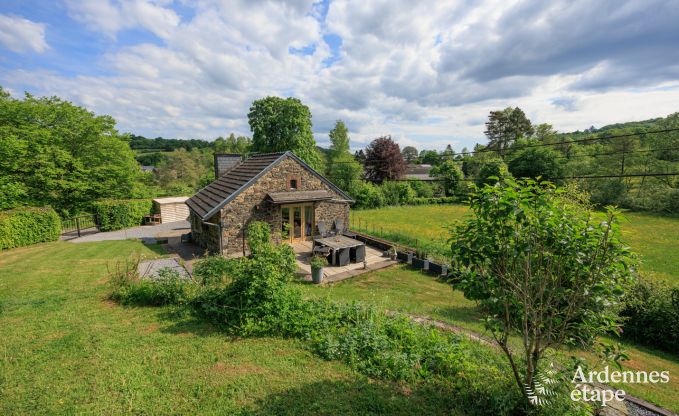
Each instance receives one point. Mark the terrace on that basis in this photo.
(374, 260)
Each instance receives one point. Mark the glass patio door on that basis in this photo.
(297, 222)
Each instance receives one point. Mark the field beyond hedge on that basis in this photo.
(654, 237)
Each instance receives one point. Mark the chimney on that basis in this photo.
(224, 162)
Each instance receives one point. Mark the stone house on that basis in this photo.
(278, 188)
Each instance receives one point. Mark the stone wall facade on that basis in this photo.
(254, 205)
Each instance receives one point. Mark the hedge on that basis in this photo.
(651, 312)
(116, 214)
(439, 200)
(25, 226)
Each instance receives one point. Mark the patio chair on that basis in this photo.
(339, 226)
(322, 251)
(343, 257)
(357, 254)
(322, 230)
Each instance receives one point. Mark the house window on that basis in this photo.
(293, 182)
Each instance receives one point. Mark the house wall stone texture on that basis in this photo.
(254, 205)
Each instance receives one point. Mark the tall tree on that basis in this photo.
(450, 175)
(448, 153)
(232, 144)
(339, 138)
(504, 127)
(384, 160)
(281, 124)
(342, 168)
(409, 154)
(55, 153)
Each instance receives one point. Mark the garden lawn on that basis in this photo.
(654, 237)
(66, 349)
(400, 288)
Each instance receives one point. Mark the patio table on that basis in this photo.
(337, 243)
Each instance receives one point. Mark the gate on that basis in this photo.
(76, 225)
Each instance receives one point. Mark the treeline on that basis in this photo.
(630, 165)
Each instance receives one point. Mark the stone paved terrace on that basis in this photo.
(374, 258)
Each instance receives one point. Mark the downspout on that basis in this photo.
(219, 230)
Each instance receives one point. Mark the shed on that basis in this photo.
(171, 209)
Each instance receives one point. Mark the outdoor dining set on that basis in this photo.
(337, 245)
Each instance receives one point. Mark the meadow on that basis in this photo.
(66, 349)
(653, 237)
(405, 290)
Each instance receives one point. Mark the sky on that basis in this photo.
(425, 72)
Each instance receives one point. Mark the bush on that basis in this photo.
(25, 226)
(213, 270)
(439, 200)
(397, 193)
(367, 195)
(168, 288)
(652, 315)
(422, 189)
(116, 214)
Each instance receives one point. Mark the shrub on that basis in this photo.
(168, 288)
(213, 270)
(422, 189)
(439, 200)
(25, 226)
(652, 315)
(116, 214)
(397, 193)
(367, 195)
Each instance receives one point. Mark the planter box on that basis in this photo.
(436, 269)
(401, 255)
(418, 263)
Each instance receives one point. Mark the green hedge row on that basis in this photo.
(439, 200)
(116, 214)
(25, 226)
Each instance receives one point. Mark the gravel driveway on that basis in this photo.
(146, 233)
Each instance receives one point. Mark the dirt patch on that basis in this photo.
(151, 328)
(109, 303)
(242, 369)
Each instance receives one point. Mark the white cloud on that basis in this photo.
(109, 17)
(20, 35)
(425, 72)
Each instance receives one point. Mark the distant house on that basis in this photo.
(278, 188)
(419, 172)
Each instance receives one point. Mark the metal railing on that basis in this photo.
(78, 224)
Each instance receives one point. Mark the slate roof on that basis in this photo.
(209, 200)
(299, 196)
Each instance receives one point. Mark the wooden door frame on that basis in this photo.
(291, 216)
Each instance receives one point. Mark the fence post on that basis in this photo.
(77, 224)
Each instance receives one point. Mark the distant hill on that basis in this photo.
(159, 144)
(631, 126)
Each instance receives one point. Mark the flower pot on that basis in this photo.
(317, 275)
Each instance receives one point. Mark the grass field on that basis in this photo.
(65, 349)
(402, 289)
(654, 237)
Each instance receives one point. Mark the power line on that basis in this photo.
(627, 152)
(627, 175)
(584, 140)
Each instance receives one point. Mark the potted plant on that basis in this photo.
(392, 252)
(317, 263)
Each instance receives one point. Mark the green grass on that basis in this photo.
(65, 349)
(400, 288)
(654, 237)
